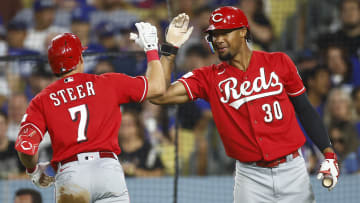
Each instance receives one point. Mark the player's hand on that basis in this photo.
(329, 171)
(39, 177)
(147, 37)
(178, 31)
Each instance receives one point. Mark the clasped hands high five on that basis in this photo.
(177, 33)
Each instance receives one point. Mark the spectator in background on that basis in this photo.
(114, 12)
(188, 6)
(346, 145)
(17, 105)
(349, 33)
(2, 38)
(355, 95)
(9, 8)
(112, 41)
(342, 74)
(138, 156)
(196, 56)
(104, 66)
(16, 35)
(338, 108)
(317, 83)
(39, 79)
(26, 195)
(106, 33)
(44, 12)
(80, 26)
(10, 166)
(306, 60)
(65, 10)
(260, 25)
(201, 21)
(320, 17)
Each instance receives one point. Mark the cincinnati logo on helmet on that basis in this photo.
(217, 17)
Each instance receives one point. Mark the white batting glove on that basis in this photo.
(147, 37)
(39, 177)
(329, 171)
(178, 31)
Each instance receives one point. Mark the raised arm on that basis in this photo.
(148, 40)
(177, 34)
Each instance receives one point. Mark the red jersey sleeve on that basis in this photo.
(34, 117)
(127, 89)
(195, 83)
(293, 83)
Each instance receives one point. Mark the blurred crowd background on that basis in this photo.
(322, 37)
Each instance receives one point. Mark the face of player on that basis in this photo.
(227, 43)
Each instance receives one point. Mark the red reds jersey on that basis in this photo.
(252, 110)
(82, 112)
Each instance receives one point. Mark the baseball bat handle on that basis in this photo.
(327, 181)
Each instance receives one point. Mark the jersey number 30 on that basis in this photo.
(269, 112)
(83, 112)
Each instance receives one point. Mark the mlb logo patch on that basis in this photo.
(69, 79)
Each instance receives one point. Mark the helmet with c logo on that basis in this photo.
(227, 17)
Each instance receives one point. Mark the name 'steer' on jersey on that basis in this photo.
(72, 93)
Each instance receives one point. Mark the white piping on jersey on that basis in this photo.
(145, 89)
(42, 136)
(222, 72)
(296, 92)
(236, 104)
(187, 87)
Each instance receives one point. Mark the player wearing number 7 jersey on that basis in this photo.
(82, 114)
(254, 97)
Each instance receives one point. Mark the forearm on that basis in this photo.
(155, 76)
(29, 161)
(167, 63)
(312, 123)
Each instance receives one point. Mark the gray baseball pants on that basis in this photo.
(287, 183)
(91, 179)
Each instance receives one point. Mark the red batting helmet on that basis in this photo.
(64, 53)
(227, 17)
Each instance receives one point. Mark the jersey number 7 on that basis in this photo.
(83, 111)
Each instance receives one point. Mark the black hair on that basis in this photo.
(309, 74)
(35, 195)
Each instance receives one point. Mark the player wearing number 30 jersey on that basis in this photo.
(251, 104)
(254, 98)
(82, 114)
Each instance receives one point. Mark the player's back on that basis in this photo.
(82, 113)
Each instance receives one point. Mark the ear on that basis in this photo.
(243, 32)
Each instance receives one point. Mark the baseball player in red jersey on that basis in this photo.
(82, 114)
(254, 97)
